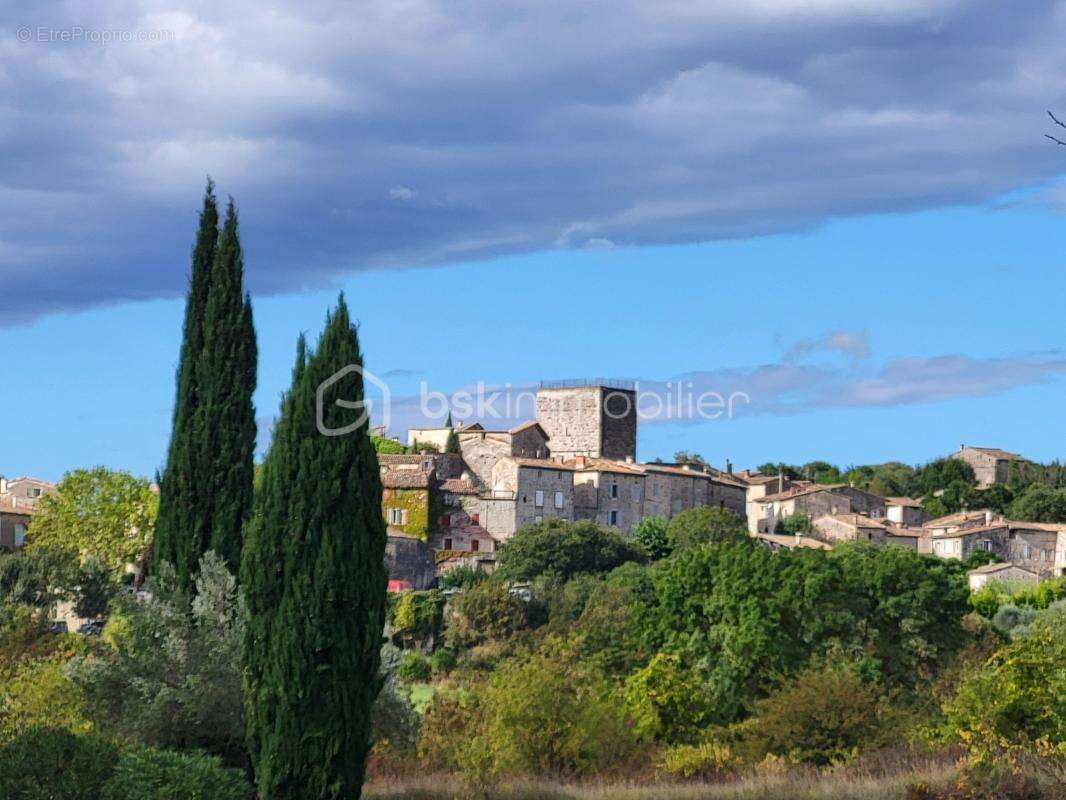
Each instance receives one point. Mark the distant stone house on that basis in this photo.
(816, 501)
(904, 511)
(1034, 545)
(406, 502)
(25, 490)
(1030, 545)
(670, 489)
(14, 521)
(782, 541)
(609, 492)
(999, 572)
(481, 449)
(990, 464)
(850, 528)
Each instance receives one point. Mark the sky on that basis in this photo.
(844, 212)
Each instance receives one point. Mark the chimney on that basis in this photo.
(780, 480)
(728, 467)
(3, 484)
(988, 516)
(629, 459)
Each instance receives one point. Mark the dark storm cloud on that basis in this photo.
(383, 135)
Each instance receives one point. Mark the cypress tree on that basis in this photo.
(313, 574)
(227, 415)
(206, 488)
(179, 522)
(451, 445)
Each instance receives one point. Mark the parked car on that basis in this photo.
(92, 628)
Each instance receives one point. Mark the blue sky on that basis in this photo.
(846, 209)
(984, 283)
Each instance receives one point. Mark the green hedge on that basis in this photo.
(151, 774)
(55, 764)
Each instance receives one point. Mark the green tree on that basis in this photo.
(206, 487)
(1016, 702)
(558, 550)
(97, 513)
(485, 611)
(665, 700)
(170, 675)
(150, 774)
(386, 446)
(823, 716)
(650, 534)
(1039, 503)
(314, 579)
(549, 715)
(704, 524)
(56, 764)
(800, 522)
(452, 443)
(940, 474)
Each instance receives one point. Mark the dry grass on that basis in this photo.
(855, 783)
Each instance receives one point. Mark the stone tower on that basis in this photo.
(589, 419)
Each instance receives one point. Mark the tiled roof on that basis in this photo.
(604, 465)
(531, 424)
(856, 520)
(792, 541)
(911, 533)
(996, 526)
(542, 463)
(1051, 527)
(458, 486)
(987, 569)
(957, 518)
(910, 502)
(995, 452)
(13, 505)
(788, 494)
(405, 479)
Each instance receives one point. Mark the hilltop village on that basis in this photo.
(577, 461)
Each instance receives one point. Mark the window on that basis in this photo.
(475, 518)
(636, 493)
(495, 545)
(446, 520)
(538, 518)
(33, 491)
(614, 490)
(20, 535)
(614, 518)
(1026, 552)
(474, 544)
(538, 499)
(448, 544)
(396, 516)
(558, 499)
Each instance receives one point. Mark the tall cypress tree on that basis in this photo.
(179, 520)
(313, 575)
(226, 414)
(206, 488)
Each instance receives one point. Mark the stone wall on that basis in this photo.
(409, 559)
(8, 524)
(1033, 550)
(482, 450)
(589, 420)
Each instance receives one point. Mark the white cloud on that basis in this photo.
(522, 126)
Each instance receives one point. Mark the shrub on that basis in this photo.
(151, 774)
(413, 667)
(650, 534)
(442, 661)
(39, 695)
(55, 764)
(665, 700)
(450, 720)
(702, 761)
(1009, 618)
(703, 525)
(416, 617)
(484, 612)
(824, 716)
(549, 715)
(558, 550)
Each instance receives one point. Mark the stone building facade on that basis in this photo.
(611, 493)
(14, 522)
(589, 420)
(990, 464)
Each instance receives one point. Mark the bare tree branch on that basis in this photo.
(1056, 120)
(1056, 141)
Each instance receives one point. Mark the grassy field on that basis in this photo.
(790, 786)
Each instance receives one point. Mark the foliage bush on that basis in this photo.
(823, 716)
(705, 760)
(987, 600)
(650, 534)
(416, 618)
(484, 612)
(150, 774)
(665, 700)
(557, 550)
(704, 525)
(39, 695)
(413, 667)
(442, 661)
(549, 715)
(55, 764)
(172, 676)
(1015, 704)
